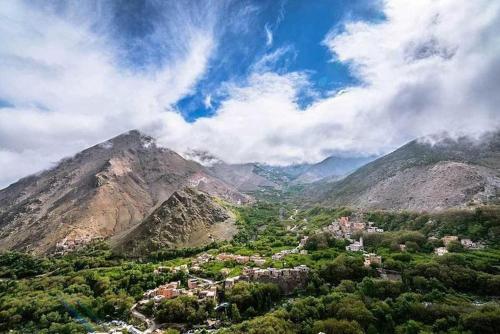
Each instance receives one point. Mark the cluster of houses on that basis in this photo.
(120, 327)
(241, 259)
(287, 278)
(369, 258)
(466, 243)
(201, 289)
(345, 228)
(69, 244)
(297, 250)
(199, 260)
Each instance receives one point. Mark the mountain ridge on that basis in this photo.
(99, 192)
(421, 176)
(188, 218)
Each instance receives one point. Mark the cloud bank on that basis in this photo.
(428, 67)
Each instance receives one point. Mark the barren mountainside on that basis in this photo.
(421, 176)
(101, 191)
(188, 218)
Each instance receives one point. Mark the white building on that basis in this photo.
(468, 243)
(356, 246)
(440, 251)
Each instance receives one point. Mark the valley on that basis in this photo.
(129, 237)
(249, 167)
(228, 286)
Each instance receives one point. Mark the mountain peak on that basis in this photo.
(423, 175)
(132, 139)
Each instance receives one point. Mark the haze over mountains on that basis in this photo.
(129, 183)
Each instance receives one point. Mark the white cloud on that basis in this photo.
(424, 66)
(269, 60)
(70, 92)
(431, 66)
(208, 101)
(269, 35)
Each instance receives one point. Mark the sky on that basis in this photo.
(276, 82)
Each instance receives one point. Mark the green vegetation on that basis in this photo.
(183, 309)
(454, 293)
(482, 223)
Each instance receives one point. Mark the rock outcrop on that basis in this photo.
(189, 218)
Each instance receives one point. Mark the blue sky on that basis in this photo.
(299, 27)
(277, 82)
(294, 29)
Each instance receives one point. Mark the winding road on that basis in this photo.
(152, 325)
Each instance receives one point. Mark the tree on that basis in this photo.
(412, 246)
(354, 309)
(486, 320)
(259, 296)
(410, 327)
(235, 313)
(455, 246)
(334, 326)
(344, 267)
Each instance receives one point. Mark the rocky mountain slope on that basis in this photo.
(331, 168)
(421, 176)
(101, 191)
(188, 218)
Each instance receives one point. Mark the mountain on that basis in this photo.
(250, 177)
(244, 177)
(421, 176)
(332, 168)
(188, 218)
(101, 191)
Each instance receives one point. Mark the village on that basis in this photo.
(344, 228)
(287, 278)
(69, 244)
(466, 243)
(258, 268)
